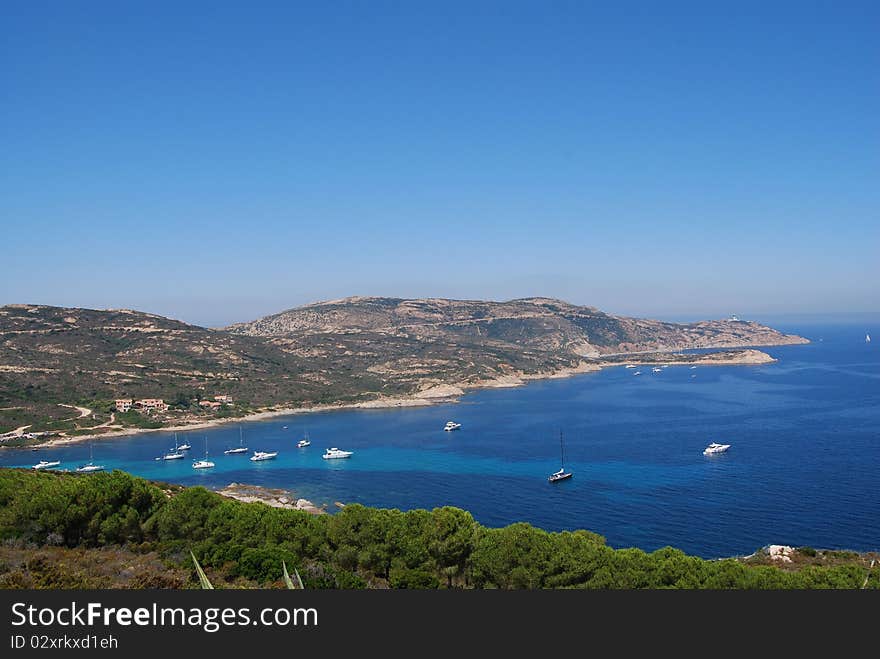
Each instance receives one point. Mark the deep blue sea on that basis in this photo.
(802, 470)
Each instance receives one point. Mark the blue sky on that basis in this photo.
(215, 162)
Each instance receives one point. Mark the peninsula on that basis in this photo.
(69, 373)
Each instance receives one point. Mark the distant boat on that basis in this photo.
(205, 463)
(304, 442)
(46, 464)
(174, 454)
(335, 453)
(241, 448)
(693, 367)
(657, 370)
(259, 456)
(90, 466)
(451, 425)
(637, 373)
(182, 447)
(867, 338)
(560, 475)
(715, 448)
(630, 366)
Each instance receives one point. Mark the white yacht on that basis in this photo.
(90, 466)
(657, 370)
(637, 373)
(451, 425)
(259, 456)
(305, 441)
(46, 464)
(241, 448)
(715, 448)
(693, 367)
(335, 453)
(204, 463)
(184, 447)
(867, 338)
(630, 366)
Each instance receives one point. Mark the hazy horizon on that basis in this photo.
(684, 160)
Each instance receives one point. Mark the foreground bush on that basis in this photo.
(357, 547)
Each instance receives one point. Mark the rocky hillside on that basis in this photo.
(532, 323)
(353, 350)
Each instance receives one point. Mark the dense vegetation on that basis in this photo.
(245, 543)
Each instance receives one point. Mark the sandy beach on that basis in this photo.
(433, 395)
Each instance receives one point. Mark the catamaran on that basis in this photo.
(205, 463)
(46, 464)
(90, 466)
(560, 475)
(241, 448)
(259, 456)
(335, 453)
(715, 448)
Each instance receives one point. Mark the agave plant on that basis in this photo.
(288, 581)
(203, 579)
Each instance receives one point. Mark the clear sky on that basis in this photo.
(219, 161)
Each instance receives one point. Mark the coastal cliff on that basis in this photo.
(61, 369)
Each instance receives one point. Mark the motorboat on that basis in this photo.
(637, 373)
(335, 453)
(630, 366)
(46, 464)
(657, 370)
(715, 448)
(451, 425)
(259, 456)
(303, 442)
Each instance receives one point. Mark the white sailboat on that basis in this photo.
(174, 454)
(183, 447)
(205, 463)
(304, 442)
(90, 466)
(241, 448)
(560, 475)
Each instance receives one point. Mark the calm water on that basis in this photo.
(803, 468)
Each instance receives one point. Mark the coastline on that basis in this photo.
(438, 394)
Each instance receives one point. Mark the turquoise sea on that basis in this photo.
(802, 470)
